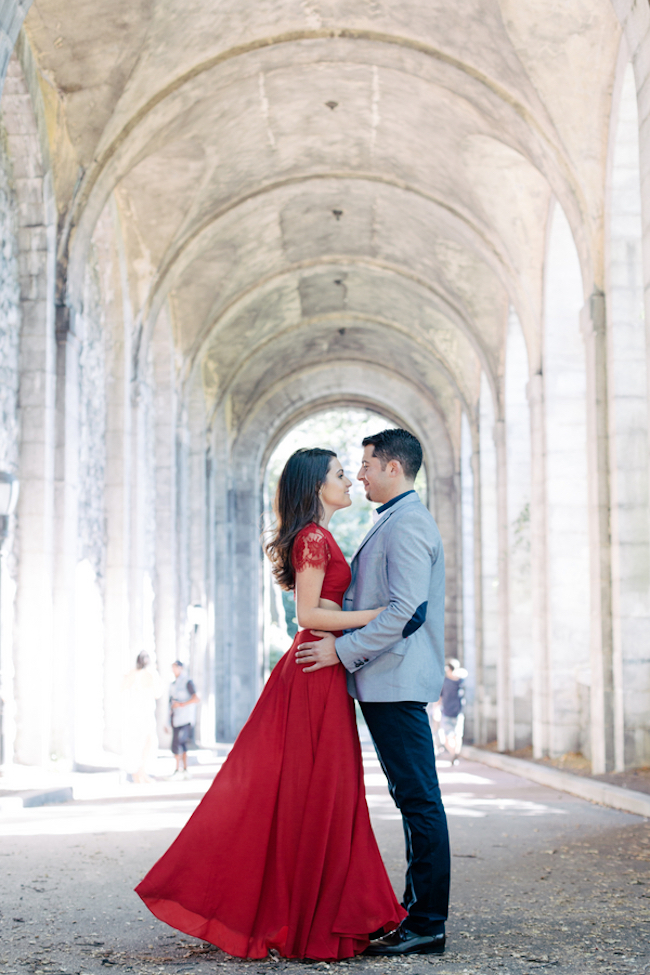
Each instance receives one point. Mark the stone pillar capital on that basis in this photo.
(65, 322)
(593, 317)
(499, 432)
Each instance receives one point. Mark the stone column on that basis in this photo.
(247, 660)
(141, 561)
(628, 432)
(118, 479)
(446, 515)
(202, 647)
(223, 562)
(505, 708)
(467, 545)
(211, 716)
(238, 582)
(166, 542)
(602, 673)
(489, 561)
(480, 717)
(183, 530)
(518, 528)
(567, 477)
(66, 503)
(542, 698)
(34, 620)
(635, 20)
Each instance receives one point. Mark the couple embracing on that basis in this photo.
(280, 853)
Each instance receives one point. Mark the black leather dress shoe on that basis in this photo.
(401, 941)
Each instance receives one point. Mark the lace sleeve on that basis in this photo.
(310, 549)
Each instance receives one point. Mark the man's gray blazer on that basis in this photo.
(400, 564)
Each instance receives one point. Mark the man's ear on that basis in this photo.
(394, 468)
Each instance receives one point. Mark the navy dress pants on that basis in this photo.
(402, 736)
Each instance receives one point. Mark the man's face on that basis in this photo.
(375, 479)
(176, 670)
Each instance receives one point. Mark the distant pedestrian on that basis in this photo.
(452, 709)
(182, 705)
(141, 688)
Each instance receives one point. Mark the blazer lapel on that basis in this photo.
(382, 521)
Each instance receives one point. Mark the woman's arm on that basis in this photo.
(312, 616)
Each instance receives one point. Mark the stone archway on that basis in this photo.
(235, 218)
(238, 482)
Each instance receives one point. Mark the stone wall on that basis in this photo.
(9, 315)
(92, 426)
(9, 428)
(147, 500)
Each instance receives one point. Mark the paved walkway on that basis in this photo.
(542, 882)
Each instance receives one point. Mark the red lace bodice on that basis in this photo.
(315, 546)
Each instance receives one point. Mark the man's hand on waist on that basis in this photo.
(317, 653)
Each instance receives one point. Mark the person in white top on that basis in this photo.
(141, 688)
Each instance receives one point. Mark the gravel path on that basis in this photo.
(542, 882)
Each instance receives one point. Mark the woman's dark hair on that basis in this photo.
(142, 660)
(296, 505)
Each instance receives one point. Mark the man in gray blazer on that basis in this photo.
(395, 666)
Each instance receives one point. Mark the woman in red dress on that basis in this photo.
(280, 852)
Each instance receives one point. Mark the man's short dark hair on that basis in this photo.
(397, 444)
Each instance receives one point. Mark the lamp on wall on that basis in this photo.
(195, 615)
(8, 498)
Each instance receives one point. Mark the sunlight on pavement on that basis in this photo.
(459, 805)
(173, 814)
(168, 805)
(103, 818)
(445, 778)
(462, 778)
(469, 805)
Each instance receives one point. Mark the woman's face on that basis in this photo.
(335, 492)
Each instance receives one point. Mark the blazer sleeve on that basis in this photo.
(411, 553)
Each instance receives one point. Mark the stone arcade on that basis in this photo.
(217, 218)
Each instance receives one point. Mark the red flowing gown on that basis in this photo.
(280, 852)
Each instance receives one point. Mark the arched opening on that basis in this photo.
(337, 428)
(243, 438)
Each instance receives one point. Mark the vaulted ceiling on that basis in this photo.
(309, 181)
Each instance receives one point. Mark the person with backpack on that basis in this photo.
(452, 705)
(183, 700)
